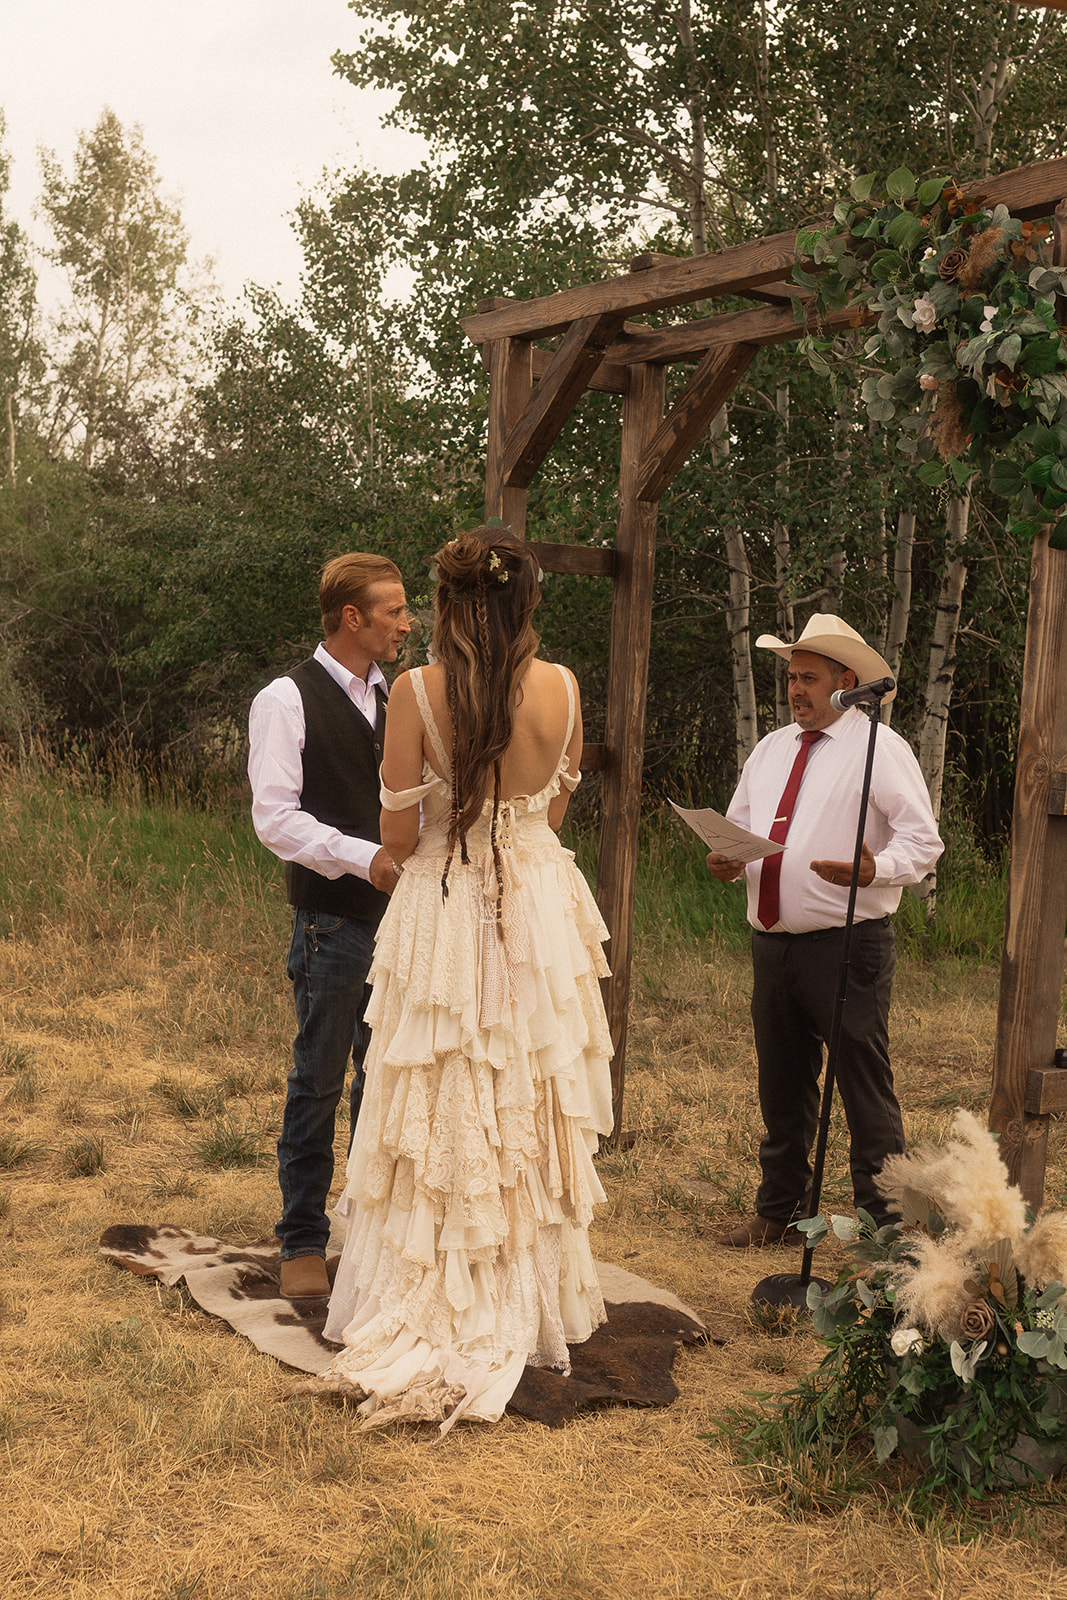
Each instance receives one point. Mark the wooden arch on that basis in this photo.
(599, 345)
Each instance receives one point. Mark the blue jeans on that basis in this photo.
(329, 958)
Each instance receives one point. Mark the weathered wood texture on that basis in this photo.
(510, 387)
(578, 560)
(1028, 192)
(706, 393)
(624, 721)
(565, 380)
(1031, 971)
(1031, 967)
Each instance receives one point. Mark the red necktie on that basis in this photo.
(768, 910)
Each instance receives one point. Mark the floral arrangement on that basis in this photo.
(948, 1331)
(972, 364)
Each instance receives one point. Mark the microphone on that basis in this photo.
(864, 693)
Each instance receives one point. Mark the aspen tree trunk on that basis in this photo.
(737, 609)
(876, 566)
(942, 669)
(9, 437)
(740, 643)
(901, 608)
(698, 220)
(782, 556)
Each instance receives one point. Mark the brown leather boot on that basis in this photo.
(753, 1234)
(304, 1278)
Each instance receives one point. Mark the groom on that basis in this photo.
(316, 739)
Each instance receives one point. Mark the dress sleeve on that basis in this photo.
(401, 799)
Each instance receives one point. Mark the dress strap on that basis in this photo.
(569, 683)
(568, 779)
(422, 700)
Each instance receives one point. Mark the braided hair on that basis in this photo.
(487, 590)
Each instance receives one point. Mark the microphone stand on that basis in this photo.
(791, 1288)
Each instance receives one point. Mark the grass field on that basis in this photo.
(150, 1454)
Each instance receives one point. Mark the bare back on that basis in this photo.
(541, 720)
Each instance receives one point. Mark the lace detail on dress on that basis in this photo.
(422, 700)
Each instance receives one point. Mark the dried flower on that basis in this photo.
(1041, 1254)
(951, 264)
(927, 381)
(988, 313)
(977, 1320)
(947, 428)
(980, 257)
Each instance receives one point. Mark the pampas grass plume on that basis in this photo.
(1042, 1255)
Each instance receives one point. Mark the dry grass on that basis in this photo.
(147, 1454)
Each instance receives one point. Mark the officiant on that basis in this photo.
(802, 785)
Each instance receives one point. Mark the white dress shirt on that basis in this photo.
(276, 773)
(900, 828)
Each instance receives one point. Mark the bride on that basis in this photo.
(471, 1182)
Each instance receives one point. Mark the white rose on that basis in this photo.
(907, 1342)
(924, 314)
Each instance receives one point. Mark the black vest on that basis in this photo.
(342, 754)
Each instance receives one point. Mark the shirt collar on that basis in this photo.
(353, 686)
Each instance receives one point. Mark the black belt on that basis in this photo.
(823, 933)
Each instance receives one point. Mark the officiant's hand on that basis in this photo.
(840, 872)
(723, 868)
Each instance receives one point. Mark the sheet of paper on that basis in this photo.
(726, 838)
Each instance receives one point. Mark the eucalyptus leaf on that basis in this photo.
(945, 297)
(1010, 349)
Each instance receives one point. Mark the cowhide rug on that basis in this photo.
(627, 1361)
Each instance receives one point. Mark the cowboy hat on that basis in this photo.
(825, 635)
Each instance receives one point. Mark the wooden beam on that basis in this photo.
(1029, 192)
(510, 386)
(1046, 1091)
(760, 325)
(706, 393)
(624, 721)
(690, 341)
(564, 382)
(690, 278)
(579, 560)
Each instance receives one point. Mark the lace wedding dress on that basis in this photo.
(471, 1182)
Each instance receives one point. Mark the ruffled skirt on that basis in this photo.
(471, 1183)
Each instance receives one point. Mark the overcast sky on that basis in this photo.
(236, 98)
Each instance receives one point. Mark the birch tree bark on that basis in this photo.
(900, 610)
(941, 668)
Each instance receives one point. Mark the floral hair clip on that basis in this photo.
(494, 562)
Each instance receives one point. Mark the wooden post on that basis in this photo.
(624, 723)
(510, 386)
(1031, 970)
(1027, 1087)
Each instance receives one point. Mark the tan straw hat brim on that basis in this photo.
(826, 635)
